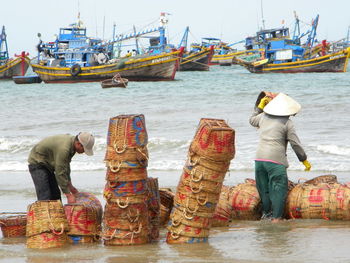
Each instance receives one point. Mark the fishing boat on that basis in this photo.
(116, 81)
(27, 79)
(10, 67)
(75, 57)
(283, 54)
(197, 58)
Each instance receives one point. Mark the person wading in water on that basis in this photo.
(276, 129)
(49, 164)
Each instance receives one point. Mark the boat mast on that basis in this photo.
(4, 54)
(183, 42)
(136, 41)
(262, 15)
(296, 32)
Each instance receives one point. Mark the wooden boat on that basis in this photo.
(335, 62)
(10, 67)
(74, 57)
(197, 61)
(146, 68)
(26, 79)
(116, 81)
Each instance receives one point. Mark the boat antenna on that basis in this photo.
(262, 15)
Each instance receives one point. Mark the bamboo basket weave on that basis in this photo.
(85, 216)
(164, 215)
(14, 225)
(200, 185)
(329, 179)
(154, 207)
(173, 238)
(214, 139)
(47, 240)
(179, 215)
(115, 166)
(126, 174)
(188, 231)
(194, 160)
(131, 211)
(184, 192)
(166, 198)
(137, 155)
(223, 211)
(127, 131)
(112, 236)
(46, 216)
(125, 189)
(324, 200)
(245, 201)
(208, 169)
(128, 241)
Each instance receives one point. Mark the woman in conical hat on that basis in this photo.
(276, 129)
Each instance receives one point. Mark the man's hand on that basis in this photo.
(263, 102)
(70, 198)
(72, 189)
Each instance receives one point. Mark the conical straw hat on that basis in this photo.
(282, 105)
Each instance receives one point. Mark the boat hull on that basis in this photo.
(150, 68)
(14, 67)
(26, 79)
(197, 62)
(336, 62)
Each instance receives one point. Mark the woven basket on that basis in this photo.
(125, 224)
(82, 239)
(46, 216)
(126, 174)
(209, 170)
(179, 215)
(47, 240)
(223, 212)
(137, 155)
(214, 139)
(85, 216)
(131, 212)
(197, 185)
(113, 236)
(154, 196)
(126, 189)
(164, 215)
(188, 231)
(173, 238)
(13, 226)
(116, 166)
(166, 198)
(263, 94)
(327, 201)
(184, 192)
(329, 179)
(127, 131)
(128, 241)
(245, 201)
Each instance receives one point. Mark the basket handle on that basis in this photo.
(113, 168)
(58, 233)
(123, 205)
(199, 200)
(195, 189)
(195, 179)
(189, 217)
(117, 150)
(175, 235)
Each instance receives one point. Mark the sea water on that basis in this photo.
(172, 111)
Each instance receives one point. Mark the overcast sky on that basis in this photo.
(230, 20)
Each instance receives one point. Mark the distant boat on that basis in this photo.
(26, 79)
(197, 60)
(74, 57)
(285, 55)
(116, 81)
(10, 67)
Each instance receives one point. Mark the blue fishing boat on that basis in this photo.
(75, 57)
(10, 67)
(283, 54)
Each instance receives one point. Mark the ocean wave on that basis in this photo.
(334, 149)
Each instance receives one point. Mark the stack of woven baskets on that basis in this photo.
(47, 225)
(200, 185)
(166, 204)
(126, 216)
(84, 218)
(153, 207)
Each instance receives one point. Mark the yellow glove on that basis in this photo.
(307, 165)
(263, 102)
